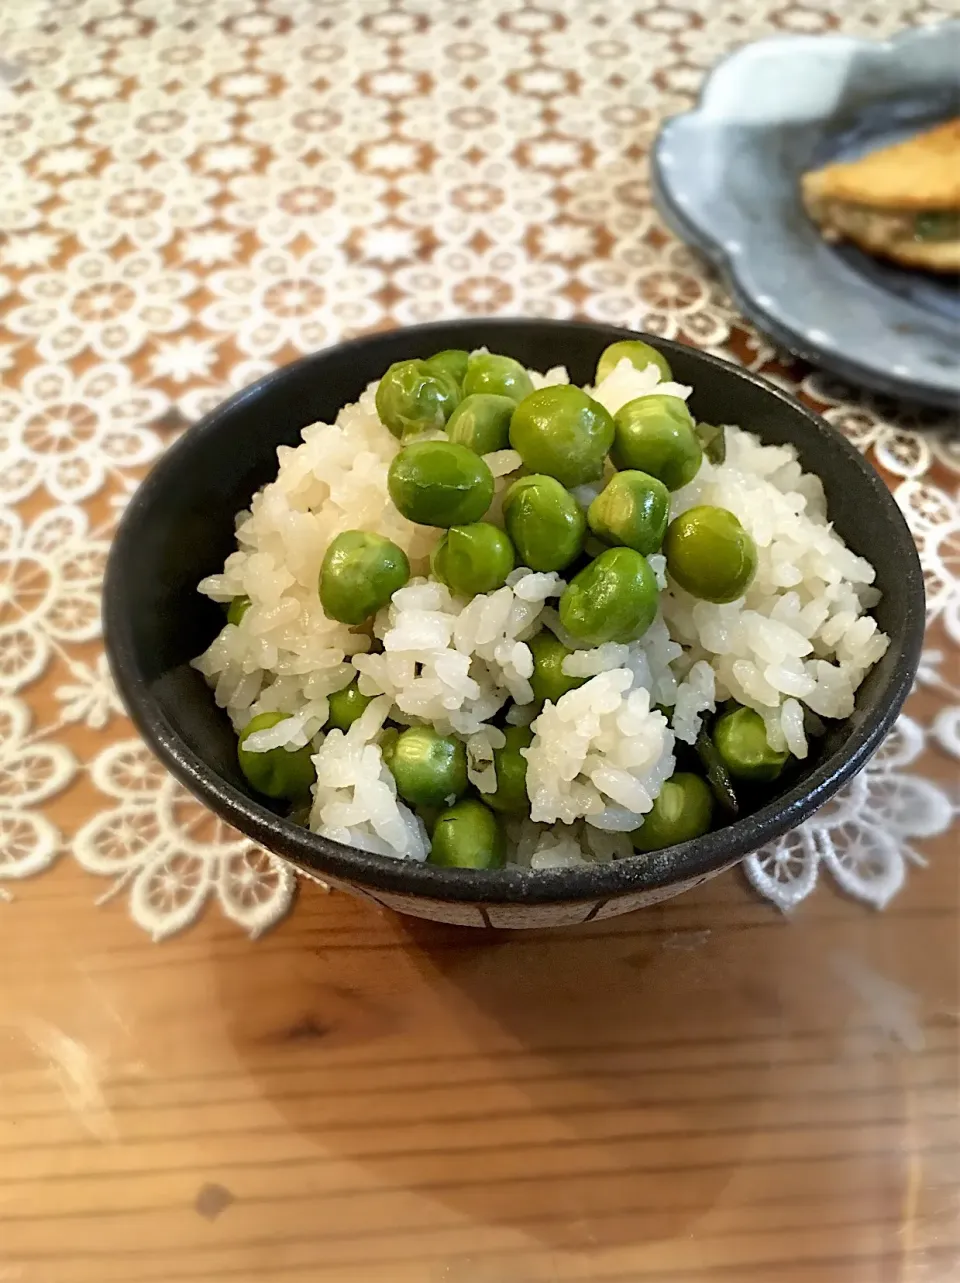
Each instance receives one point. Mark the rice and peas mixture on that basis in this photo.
(628, 716)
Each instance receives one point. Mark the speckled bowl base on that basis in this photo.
(515, 916)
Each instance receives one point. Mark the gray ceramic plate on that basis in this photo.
(726, 178)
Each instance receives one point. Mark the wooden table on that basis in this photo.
(703, 1090)
(195, 191)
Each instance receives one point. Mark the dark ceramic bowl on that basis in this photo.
(179, 528)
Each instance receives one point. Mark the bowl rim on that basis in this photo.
(322, 857)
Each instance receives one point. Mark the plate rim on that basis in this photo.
(769, 323)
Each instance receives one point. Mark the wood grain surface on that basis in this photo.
(703, 1090)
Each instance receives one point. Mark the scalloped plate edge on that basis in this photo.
(693, 233)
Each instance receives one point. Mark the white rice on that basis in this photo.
(801, 635)
(801, 631)
(455, 663)
(599, 754)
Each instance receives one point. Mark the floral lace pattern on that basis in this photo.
(173, 852)
(195, 191)
(862, 835)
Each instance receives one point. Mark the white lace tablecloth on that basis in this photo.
(195, 191)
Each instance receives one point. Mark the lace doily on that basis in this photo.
(195, 191)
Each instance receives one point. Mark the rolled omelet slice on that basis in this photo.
(900, 202)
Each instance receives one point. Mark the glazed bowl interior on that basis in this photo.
(179, 527)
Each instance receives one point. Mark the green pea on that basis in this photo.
(387, 739)
(511, 768)
(429, 815)
(438, 483)
(346, 706)
(482, 422)
(279, 772)
(640, 355)
(710, 554)
(549, 681)
(413, 396)
(468, 836)
(655, 434)
(500, 375)
(452, 360)
(632, 509)
(473, 559)
(563, 432)
(718, 777)
(614, 599)
(237, 609)
(544, 521)
(741, 740)
(682, 810)
(713, 441)
(360, 573)
(429, 768)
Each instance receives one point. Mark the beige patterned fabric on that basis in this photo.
(193, 192)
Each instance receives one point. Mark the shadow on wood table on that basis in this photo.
(671, 1082)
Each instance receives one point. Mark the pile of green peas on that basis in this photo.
(485, 402)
